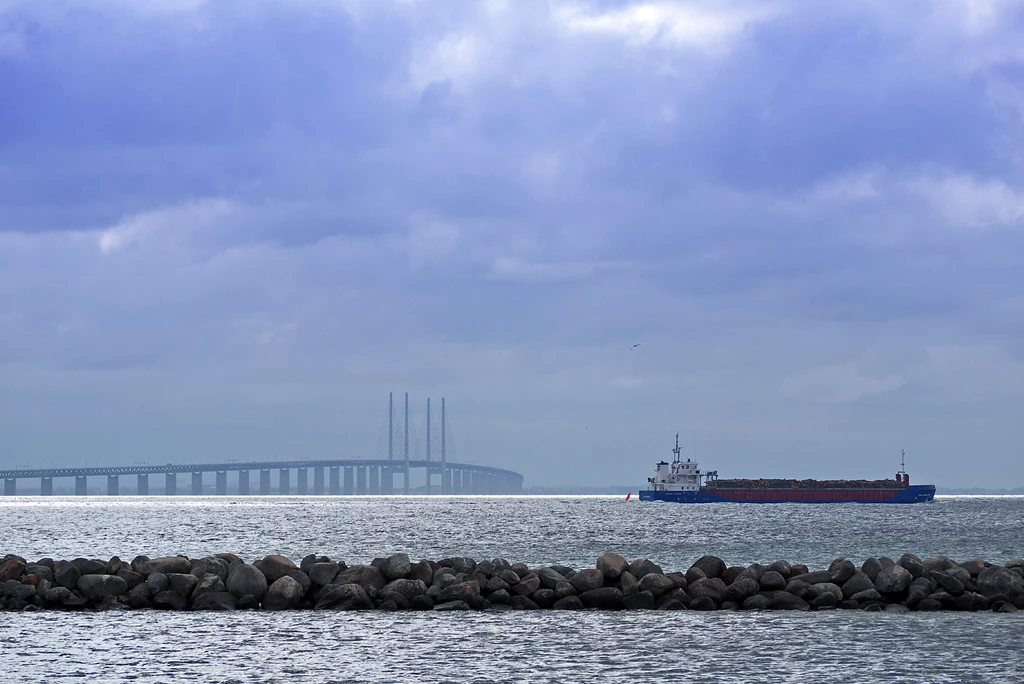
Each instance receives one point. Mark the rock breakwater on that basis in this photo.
(226, 582)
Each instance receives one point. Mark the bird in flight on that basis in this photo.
(634, 347)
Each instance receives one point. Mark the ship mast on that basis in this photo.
(903, 461)
(677, 450)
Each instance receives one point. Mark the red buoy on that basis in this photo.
(628, 494)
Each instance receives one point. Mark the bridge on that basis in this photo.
(344, 477)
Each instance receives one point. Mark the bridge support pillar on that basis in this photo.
(243, 482)
(318, 480)
(349, 484)
(171, 484)
(303, 481)
(46, 486)
(264, 482)
(81, 485)
(284, 481)
(197, 484)
(222, 483)
(113, 486)
(335, 481)
(374, 479)
(474, 482)
(387, 480)
(10, 486)
(455, 476)
(142, 485)
(361, 480)
(447, 481)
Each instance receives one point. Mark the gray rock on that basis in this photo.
(628, 584)
(605, 598)
(798, 588)
(657, 585)
(678, 579)
(40, 571)
(589, 579)
(741, 589)
(166, 565)
(840, 571)
(499, 597)
(896, 607)
(284, 594)
(510, 577)
(215, 600)
(928, 605)
(772, 580)
(408, 588)
(543, 597)
(782, 567)
(59, 595)
(247, 580)
(816, 577)
(274, 567)
(948, 582)
(939, 564)
(157, 582)
(824, 600)
(694, 574)
(523, 603)
(827, 588)
(703, 603)
(526, 586)
(27, 592)
(139, 596)
(568, 603)
(783, 600)
(461, 564)
(211, 565)
(859, 582)
(732, 573)
(345, 597)
(919, 589)
(1006, 608)
(133, 578)
(485, 568)
(912, 564)
(520, 569)
(563, 589)
(208, 584)
(66, 575)
(302, 579)
(170, 600)
(461, 591)
(365, 576)
(322, 574)
(612, 565)
(710, 587)
(871, 568)
(893, 579)
(423, 572)
(867, 595)
(797, 569)
(642, 566)
(711, 566)
(397, 566)
(90, 566)
(12, 568)
(996, 580)
(496, 584)
(549, 578)
(642, 600)
(423, 602)
(757, 602)
(182, 583)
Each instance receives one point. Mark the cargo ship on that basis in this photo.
(684, 482)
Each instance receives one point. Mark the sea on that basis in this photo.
(543, 646)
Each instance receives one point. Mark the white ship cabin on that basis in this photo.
(677, 476)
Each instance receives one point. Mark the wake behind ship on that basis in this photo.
(683, 482)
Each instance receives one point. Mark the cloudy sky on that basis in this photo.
(229, 229)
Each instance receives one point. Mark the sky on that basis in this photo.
(229, 229)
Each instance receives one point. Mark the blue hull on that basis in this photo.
(910, 494)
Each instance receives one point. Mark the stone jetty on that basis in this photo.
(226, 582)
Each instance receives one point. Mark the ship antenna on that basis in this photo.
(903, 460)
(677, 450)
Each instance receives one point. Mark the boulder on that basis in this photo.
(274, 567)
(871, 568)
(589, 579)
(247, 580)
(798, 588)
(302, 579)
(43, 572)
(96, 587)
(408, 588)
(703, 603)
(928, 605)
(732, 573)
(345, 597)
(939, 563)
(797, 569)
(782, 567)
(867, 595)
(605, 598)
(421, 571)
(423, 602)
(365, 576)
(462, 564)
(523, 603)
(133, 578)
(912, 564)
(90, 566)
(170, 600)
(893, 579)
(741, 589)
(859, 582)
(66, 575)
(461, 591)
(166, 565)
(711, 566)
(612, 565)
(211, 565)
(139, 596)
(678, 579)
(825, 600)
(499, 597)
(641, 600)
(157, 582)
(543, 597)
(827, 588)
(693, 574)
(563, 589)
(642, 566)
(396, 566)
(284, 594)
(772, 580)
(996, 580)
(816, 577)
(657, 585)
(948, 582)
(496, 584)
(549, 577)
(568, 603)
(182, 583)
(757, 602)
(208, 584)
(12, 568)
(710, 587)
(783, 600)
(215, 600)
(322, 574)
(919, 589)
(840, 571)
(526, 586)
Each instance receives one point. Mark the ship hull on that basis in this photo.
(909, 494)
